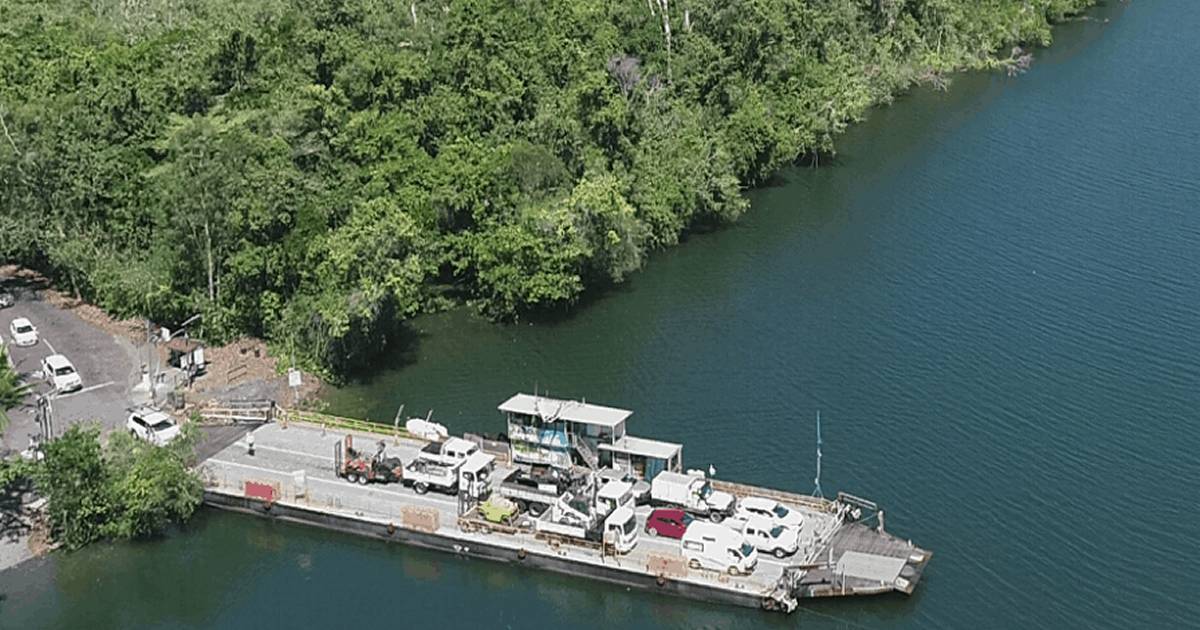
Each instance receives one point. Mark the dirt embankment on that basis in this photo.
(243, 369)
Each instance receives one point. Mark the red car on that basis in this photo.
(668, 522)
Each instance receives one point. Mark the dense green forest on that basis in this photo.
(316, 171)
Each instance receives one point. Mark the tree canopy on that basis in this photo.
(315, 172)
(128, 489)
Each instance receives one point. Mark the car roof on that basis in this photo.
(458, 443)
(21, 321)
(57, 361)
(757, 522)
(761, 503)
(152, 416)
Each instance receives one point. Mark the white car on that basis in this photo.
(61, 374)
(152, 426)
(766, 535)
(23, 332)
(777, 512)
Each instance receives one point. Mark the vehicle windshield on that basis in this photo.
(777, 531)
(24, 329)
(162, 425)
(746, 550)
(65, 370)
(629, 525)
(780, 511)
(687, 519)
(705, 491)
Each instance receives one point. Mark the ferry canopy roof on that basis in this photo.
(571, 410)
(642, 446)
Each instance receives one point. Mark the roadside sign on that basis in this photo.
(293, 377)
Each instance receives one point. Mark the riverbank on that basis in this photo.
(110, 355)
(328, 199)
(999, 413)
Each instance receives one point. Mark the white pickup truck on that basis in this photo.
(692, 493)
(450, 451)
(472, 474)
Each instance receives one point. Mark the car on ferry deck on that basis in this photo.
(766, 535)
(771, 509)
(668, 522)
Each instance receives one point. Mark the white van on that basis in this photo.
(778, 540)
(712, 546)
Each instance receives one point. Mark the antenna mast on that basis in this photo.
(817, 480)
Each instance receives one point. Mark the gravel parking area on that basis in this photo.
(109, 366)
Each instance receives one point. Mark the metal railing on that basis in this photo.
(342, 423)
(231, 412)
(586, 453)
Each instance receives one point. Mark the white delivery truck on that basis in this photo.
(613, 495)
(778, 540)
(569, 517)
(711, 546)
(692, 493)
(621, 530)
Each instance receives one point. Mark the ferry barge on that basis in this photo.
(293, 467)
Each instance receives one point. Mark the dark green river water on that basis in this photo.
(993, 298)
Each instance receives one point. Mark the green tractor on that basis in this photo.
(499, 510)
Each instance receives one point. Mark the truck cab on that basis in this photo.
(621, 530)
(613, 495)
(474, 476)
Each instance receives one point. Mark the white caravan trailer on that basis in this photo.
(716, 547)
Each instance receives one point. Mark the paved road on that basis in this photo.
(108, 365)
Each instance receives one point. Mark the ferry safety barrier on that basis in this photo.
(340, 423)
